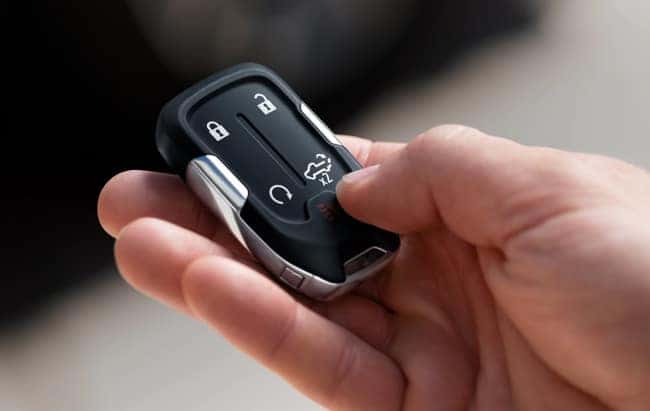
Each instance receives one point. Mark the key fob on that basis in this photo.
(260, 159)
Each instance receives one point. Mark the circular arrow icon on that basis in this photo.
(283, 189)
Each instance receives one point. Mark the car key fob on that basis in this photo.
(259, 158)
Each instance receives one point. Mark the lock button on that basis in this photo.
(217, 131)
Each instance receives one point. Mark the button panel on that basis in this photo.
(272, 149)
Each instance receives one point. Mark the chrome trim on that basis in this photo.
(223, 179)
(319, 124)
(219, 190)
(225, 195)
(353, 260)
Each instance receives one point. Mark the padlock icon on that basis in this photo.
(217, 131)
(266, 107)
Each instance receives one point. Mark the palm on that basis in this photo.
(439, 322)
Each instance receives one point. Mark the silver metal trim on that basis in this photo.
(219, 189)
(319, 124)
(223, 178)
(222, 192)
(361, 254)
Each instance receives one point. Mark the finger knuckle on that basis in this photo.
(445, 135)
(567, 171)
(441, 139)
(453, 132)
(287, 331)
(344, 370)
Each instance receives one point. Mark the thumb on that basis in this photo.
(485, 189)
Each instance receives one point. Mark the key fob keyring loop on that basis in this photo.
(259, 158)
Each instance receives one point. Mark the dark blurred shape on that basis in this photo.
(84, 87)
(86, 81)
(328, 40)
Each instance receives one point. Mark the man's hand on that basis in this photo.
(523, 281)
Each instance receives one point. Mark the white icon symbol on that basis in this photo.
(320, 170)
(266, 107)
(217, 131)
(285, 193)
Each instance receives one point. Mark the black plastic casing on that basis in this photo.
(314, 234)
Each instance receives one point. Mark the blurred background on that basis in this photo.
(83, 83)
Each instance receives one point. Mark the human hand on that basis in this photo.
(523, 280)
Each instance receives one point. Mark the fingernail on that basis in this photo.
(359, 175)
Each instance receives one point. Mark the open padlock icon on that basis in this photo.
(266, 107)
(217, 131)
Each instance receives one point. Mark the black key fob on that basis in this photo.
(259, 158)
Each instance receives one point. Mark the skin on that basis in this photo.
(523, 280)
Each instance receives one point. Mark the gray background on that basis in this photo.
(580, 82)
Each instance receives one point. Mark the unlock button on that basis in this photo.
(265, 105)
